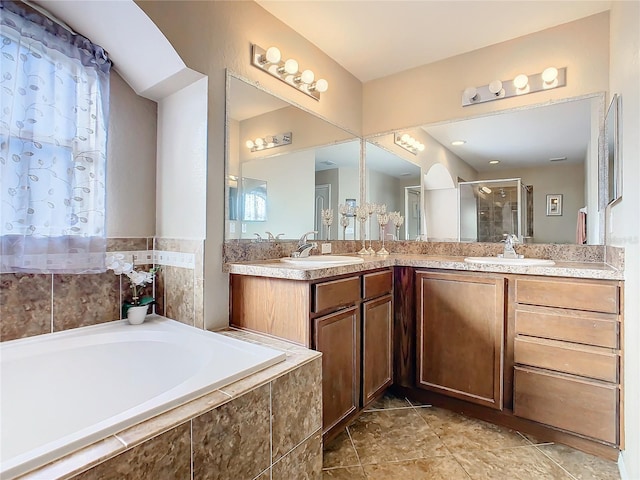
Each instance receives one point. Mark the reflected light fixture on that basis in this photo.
(269, 141)
(457, 143)
(409, 143)
(486, 190)
(494, 162)
(270, 61)
(522, 84)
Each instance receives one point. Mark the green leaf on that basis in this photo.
(147, 300)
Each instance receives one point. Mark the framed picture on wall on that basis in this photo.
(554, 205)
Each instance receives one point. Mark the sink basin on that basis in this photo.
(322, 260)
(527, 262)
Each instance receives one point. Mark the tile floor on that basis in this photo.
(395, 439)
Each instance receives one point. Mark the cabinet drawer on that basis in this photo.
(584, 360)
(573, 326)
(571, 403)
(576, 294)
(377, 283)
(336, 294)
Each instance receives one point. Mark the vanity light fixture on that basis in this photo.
(270, 61)
(407, 142)
(269, 141)
(522, 84)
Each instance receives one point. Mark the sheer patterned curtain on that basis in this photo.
(54, 87)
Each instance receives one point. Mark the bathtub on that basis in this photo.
(63, 391)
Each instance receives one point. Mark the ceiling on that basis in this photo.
(419, 32)
(375, 38)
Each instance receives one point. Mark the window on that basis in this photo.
(54, 87)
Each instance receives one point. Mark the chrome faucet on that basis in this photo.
(509, 246)
(270, 237)
(304, 246)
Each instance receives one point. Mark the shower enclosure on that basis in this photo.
(489, 210)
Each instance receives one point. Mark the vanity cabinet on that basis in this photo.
(566, 355)
(349, 319)
(460, 335)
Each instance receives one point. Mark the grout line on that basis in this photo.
(192, 465)
(531, 443)
(270, 424)
(561, 467)
(354, 448)
(319, 430)
(121, 441)
(387, 409)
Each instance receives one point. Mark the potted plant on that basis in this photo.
(135, 310)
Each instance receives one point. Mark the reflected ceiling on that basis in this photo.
(522, 138)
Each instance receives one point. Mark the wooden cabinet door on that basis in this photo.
(377, 347)
(337, 336)
(460, 327)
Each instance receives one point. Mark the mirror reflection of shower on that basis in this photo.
(492, 209)
(412, 212)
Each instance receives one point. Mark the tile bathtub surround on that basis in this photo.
(247, 250)
(375, 447)
(179, 290)
(226, 433)
(35, 304)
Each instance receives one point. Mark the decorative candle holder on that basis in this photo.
(327, 220)
(383, 219)
(362, 213)
(397, 220)
(371, 209)
(346, 211)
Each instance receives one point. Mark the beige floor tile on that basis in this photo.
(390, 435)
(437, 468)
(388, 400)
(460, 433)
(340, 452)
(348, 473)
(523, 463)
(582, 465)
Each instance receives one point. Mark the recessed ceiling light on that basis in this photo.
(494, 162)
(456, 143)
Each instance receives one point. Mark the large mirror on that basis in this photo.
(284, 166)
(553, 149)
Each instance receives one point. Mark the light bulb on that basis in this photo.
(321, 85)
(272, 55)
(550, 74)
(521, 81)
(249, 144)
(420, 147)
(307, 77)
(471, 93)
(405, 138)
(291, 66)
(259, 142)
(495, 87)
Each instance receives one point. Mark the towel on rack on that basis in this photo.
(581, 229)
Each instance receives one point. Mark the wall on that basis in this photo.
(213, 36)
(331, 177)
(623, 224)
(564, 179)
(181, 163)
(442, 223)
(432, 93)
(36, 304)
(131, 154)
(289, 177)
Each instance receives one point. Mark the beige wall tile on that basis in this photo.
(179, 287)
(165, 457)
(297, 407)
(232, 442)
(25, 305)
(81, 300)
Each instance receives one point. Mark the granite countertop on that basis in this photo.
(276, 269)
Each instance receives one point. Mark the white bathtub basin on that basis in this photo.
(526, 262)
(322, 260)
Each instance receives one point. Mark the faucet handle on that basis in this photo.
(303, 238)
(258, 237)
(278, 236)
(270, 236)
